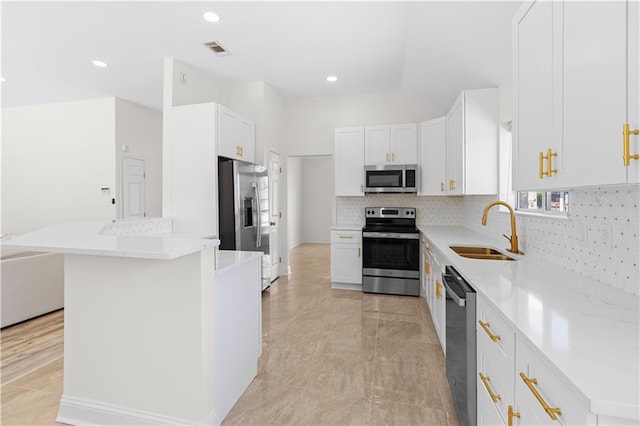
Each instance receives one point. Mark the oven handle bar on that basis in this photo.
(394, 235)
(448, 282)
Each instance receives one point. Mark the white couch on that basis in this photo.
(32, 285)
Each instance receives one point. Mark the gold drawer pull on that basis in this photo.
(511, 414)
(361, 188)
(485, 326)
(441, 186)
(625, 141)
(387, 157)
(393, 156)
(438, 289)
(452, 185)
(552, 412)
(345, 236)
(541, 172)
(548, 157)
(427, 268)
(485, 381)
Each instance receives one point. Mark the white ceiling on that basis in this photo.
(432, 49)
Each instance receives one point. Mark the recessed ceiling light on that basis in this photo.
(100, 64)
(332, 78)
(211, 17)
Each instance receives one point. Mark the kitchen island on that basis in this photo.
(153, 333)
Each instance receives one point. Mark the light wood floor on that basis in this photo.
(330, 357)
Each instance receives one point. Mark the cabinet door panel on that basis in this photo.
(227, 140)
(533, 95)
(376, 143)
(594, 92)
(349, 161)
(404, 143)
(454, 150)
(433, 156)
(246, 139)
(346, 263)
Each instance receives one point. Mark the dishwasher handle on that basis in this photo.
(451, 285)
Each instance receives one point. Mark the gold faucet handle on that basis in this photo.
(508, 238)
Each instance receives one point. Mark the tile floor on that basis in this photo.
(330, 357)
(338, 357)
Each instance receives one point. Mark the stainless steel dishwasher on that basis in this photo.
(461, 343)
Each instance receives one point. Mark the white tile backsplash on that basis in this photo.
(599, 239)
(429, 210)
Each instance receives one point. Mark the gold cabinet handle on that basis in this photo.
(452, 185)
(511, 414)
(625, 142)
(427, 268)
(393, 156)
(541, 172)
(485, 326)
(387, 157)
(361, 188)
(552, 412)
(549, 157)
(485, 381)
(550, 169)
(438, 289)
(441, 186)
(346, 236)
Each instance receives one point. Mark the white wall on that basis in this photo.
(140, 128)
(317, 198)
(294, 204)
(311, 122)
(55, 160)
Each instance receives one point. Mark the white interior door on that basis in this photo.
(133, 188)
(275, 170)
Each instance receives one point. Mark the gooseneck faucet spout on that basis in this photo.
(514, 236)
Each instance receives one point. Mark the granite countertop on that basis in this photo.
(86, 238)
(587, 329)
(229, 259)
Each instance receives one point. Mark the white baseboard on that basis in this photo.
(347, 286)
(80, 411)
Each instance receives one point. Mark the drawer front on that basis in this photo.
(550, 388)
(488, 414)
(498, 334)
(494, 380)
(346, 237)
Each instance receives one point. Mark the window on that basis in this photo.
(556, 202)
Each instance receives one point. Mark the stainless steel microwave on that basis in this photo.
(391, 178)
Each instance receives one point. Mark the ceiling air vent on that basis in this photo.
(217, 48)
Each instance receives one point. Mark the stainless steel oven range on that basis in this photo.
(391, 251)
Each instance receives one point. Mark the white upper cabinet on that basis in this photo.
(433, 156)
(575, 85)
(472, 143)
(236, 136)
(404, 143)
(349, 161)
(391, 144)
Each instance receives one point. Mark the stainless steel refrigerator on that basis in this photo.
(243, 210)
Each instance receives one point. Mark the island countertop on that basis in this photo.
(86, 238)
(592, 337)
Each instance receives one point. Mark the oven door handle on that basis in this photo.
(448, 283)
(394, 235)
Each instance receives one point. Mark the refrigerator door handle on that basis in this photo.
(259, 216)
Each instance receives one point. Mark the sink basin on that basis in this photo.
(483, 253)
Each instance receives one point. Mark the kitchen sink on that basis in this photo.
(483, 253)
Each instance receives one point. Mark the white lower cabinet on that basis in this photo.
(346, 259)
(516, 384)
(439, 299)
(542, 393)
